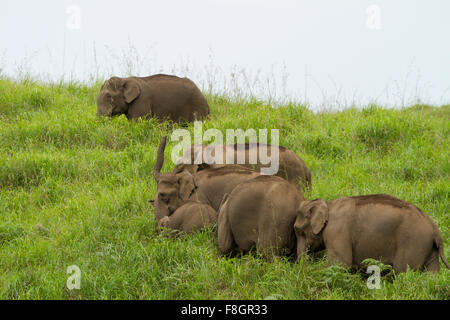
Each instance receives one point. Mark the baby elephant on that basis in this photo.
(190, 217)
(259, 213)
(373, 226)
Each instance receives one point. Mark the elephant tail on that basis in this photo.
(440, 245)
(441, 253)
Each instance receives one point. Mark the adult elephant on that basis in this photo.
(205, 185)
(161, 96)
(259, 213)
(382, 227)
(290, 166)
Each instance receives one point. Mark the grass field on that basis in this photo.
(74, 190)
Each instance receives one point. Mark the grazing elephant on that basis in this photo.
(380, 226)
(291, 167)
(161, 96)
(259, 213)
(190, 217)
(205, 185)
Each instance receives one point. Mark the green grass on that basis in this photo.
(74, 190)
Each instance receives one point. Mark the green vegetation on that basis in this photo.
(74, 190)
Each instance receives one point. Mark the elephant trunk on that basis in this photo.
(301, 247)
(159, 159)
(105, 111)
(161, 211)
(104, 107)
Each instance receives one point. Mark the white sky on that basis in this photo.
(325, 52)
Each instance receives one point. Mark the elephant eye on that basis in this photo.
(163, 196)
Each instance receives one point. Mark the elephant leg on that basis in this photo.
(269, 253)
(400, 265)
(432, 263)
(274, 244)
(408, 258)
(268, 249)
(225, 236)
(340, 252)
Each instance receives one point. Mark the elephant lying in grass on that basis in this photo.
(205, 185)
(291, 166)
(352, 229)
(161, 96)
(259, 213)
(190, 217)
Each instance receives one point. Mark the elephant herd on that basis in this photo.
(269, 213)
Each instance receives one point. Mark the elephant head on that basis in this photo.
(173, 189)
(312, 217)
(116, 95)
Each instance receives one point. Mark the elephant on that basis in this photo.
(291, 166)
(205, 184)
(377, 226)
(161, 96)
(190, 217)
(259, 213)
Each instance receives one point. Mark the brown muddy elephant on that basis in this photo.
(204, 185)
(379, 226)
(161, 96)
(291, 167)
(259, 213)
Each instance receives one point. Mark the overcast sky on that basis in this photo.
(325, 52)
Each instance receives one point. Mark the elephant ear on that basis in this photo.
(186, 183)
(303, 213)
(131, 90)
(319, 216)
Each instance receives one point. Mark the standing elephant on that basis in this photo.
(161, 96)
(259, 213)
(380, 226)
(291, 167)
(190, 217)
(204, 185)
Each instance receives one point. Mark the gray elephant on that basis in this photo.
(380, 226)
(191, 216)
(259, 213)
(291, 167)
(161, 96)
(204, 185)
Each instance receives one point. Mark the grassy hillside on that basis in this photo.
(74, 190)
